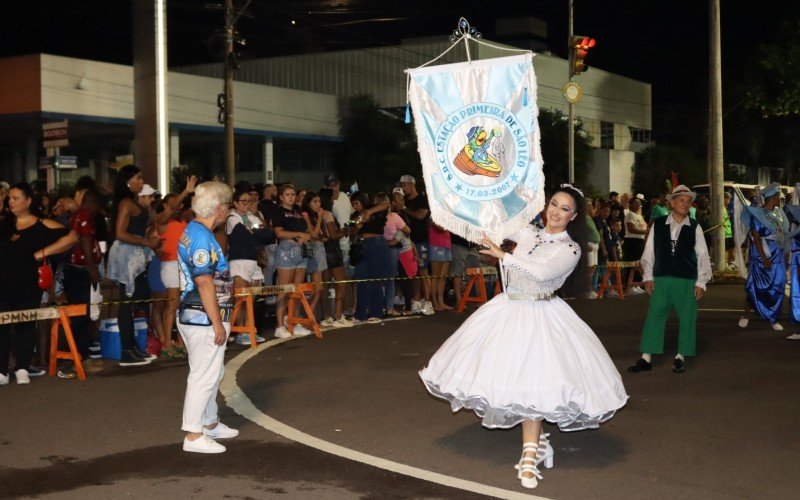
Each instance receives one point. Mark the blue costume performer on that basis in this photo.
(766, 280)
(793, 214)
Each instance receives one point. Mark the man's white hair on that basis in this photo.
(208, 196)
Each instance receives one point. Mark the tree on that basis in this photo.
(377, 147)
(772, 76)
(555, 134)
(655, 165)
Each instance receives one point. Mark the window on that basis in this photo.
(607, 135)
(640, 135)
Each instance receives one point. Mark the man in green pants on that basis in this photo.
(676, 268)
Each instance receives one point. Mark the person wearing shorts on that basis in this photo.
(465, 256)
(292, 232)
(440, 256)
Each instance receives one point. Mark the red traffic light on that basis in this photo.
(579, 49)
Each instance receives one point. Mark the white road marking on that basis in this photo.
(238, 401)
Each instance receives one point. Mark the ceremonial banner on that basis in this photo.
(479, 144)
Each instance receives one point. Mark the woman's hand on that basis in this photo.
(191, 183)
(302, 238)
(492, 249)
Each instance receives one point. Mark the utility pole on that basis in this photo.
(230, 156)
(571, 113)
(715, 136)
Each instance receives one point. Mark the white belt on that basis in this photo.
(525, 296)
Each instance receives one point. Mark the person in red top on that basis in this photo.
(82, 272)
(171, 220)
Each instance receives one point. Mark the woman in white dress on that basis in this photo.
(525, 356)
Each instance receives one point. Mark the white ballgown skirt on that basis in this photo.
(515, 360)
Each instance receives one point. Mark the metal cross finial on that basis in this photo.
(464, 30)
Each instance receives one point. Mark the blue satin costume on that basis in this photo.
(765, 286)
(793, 214)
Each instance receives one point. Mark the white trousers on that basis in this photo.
(206, 368)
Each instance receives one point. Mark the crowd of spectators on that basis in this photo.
(127, 238)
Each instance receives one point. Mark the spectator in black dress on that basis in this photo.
(25, 240)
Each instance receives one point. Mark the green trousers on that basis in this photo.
(671, 293)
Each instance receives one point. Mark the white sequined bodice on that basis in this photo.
(541, 262)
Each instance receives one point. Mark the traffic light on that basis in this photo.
(578, 50)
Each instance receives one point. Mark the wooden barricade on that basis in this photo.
(298, 302)
(59, 322)
(615, 268)
(476, 279)
(244, 301)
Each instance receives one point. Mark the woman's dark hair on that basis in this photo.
(86, 182)
(121, 189)
(362, 197)
(577, 283)
(9, 220)
(306, 206)
(326, 199)
(239, 192)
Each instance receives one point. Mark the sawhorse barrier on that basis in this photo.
(476, 279)
(615, 269)
(59, 317)
(297, 303)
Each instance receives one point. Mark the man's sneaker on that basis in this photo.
(416, 307)
(144, 355)
(342, 323)
(3, 379)
(301, 331)
(326, 323)
(282, 333)
(129, 359)
(221, 431)
(203, 444)
(36, 371)
(427, 309)
(22, 376)
(635, 291)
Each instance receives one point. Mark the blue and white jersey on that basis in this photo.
(199, 254)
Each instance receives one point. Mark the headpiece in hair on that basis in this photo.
(566, 185)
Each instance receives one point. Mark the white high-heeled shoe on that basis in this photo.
(528, 474)
(544, 452)
(777, 327)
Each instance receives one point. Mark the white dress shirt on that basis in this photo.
(700, 248)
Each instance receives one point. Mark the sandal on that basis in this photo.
(527, 465)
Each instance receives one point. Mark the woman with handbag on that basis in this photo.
(26, 240)
(292, 232)
(375, 259)
(335, 260)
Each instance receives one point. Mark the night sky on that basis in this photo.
(661, 42)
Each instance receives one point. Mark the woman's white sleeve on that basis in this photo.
(545, 264)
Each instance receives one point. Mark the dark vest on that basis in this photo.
(682, 263)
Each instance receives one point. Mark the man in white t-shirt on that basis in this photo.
(342, 209)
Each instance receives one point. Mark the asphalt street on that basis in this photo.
(726, 428)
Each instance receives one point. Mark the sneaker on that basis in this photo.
(22, 377)
(635, 291)
(342, 323)
(244, 339)
(203, 444)
(777, 327)
(794, 336)
(374, 321)
(610, 292)
(3, 379)
(144, 355)
(416, 307)
(592, 295)
(427, 309)
(301, 331)
(221, 431)
(282, 333)
(36, 371)
(129, 359)
(68, 373)
(326, 323)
